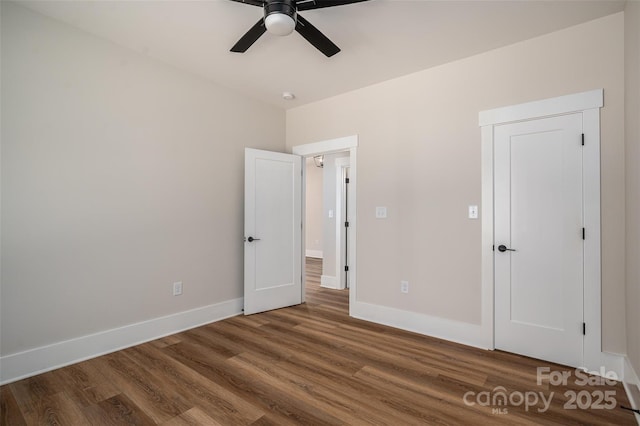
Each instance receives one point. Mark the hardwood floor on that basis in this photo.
(306, 365)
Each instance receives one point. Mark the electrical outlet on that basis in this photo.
(404, 286)
(177, 288)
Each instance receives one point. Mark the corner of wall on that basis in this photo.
(632, 181)
(631, 384)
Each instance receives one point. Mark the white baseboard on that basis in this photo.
(329, 281)
(609, 363)
(456, 331)
(630, 374)
(46, 358)
(314, 253)
(442, 328)
(631, 378)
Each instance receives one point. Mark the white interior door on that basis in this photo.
(539, 239)
(273, 231)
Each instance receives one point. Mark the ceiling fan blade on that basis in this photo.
(251, 2)
(317, 4)
(315, 37)
(250, 37)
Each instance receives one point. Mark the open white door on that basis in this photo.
(273, 231)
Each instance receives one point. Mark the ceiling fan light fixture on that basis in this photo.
(279, 24)
(280, 17)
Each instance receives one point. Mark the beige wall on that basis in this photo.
(119, 176)
(419, 155)
(313, 212)
(632, 167)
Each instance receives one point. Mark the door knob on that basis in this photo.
(251, 239)
(503, 248)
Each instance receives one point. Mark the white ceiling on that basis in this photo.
(380, 39)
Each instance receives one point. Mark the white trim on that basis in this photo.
(588, 103)
(442, 328)
(592, 257)
(348, 143)
(630, 377)
(341, 164)
(543, 108)
(326, 147)
(486, 218)
(353, 213)
(46, 358)
(303, 236)
(314, 253)
(328, 281)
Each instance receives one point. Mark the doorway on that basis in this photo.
(274, 182)
(327, 220)
(499, 261)
(333, 150)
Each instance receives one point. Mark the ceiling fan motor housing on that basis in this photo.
(280, 16)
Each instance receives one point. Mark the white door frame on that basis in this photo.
(589, 104)
(348, 143)
(341, 196)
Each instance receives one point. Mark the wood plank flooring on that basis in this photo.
(307, 365)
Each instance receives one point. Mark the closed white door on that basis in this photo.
(273, 231)
(538, 250)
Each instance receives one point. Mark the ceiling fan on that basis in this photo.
(281, 18)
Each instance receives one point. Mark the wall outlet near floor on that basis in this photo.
(404, 286)
(177, 288)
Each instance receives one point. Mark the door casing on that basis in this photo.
(589, 104)
(350, 144)
(342, 199)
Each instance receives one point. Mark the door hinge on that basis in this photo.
(346, 224)
(346, 180)
(584, 234)
(346, 269)
(584, 329)
(583, 139)
(493, 247)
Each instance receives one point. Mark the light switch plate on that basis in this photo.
(473, 212)
(381, 212)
